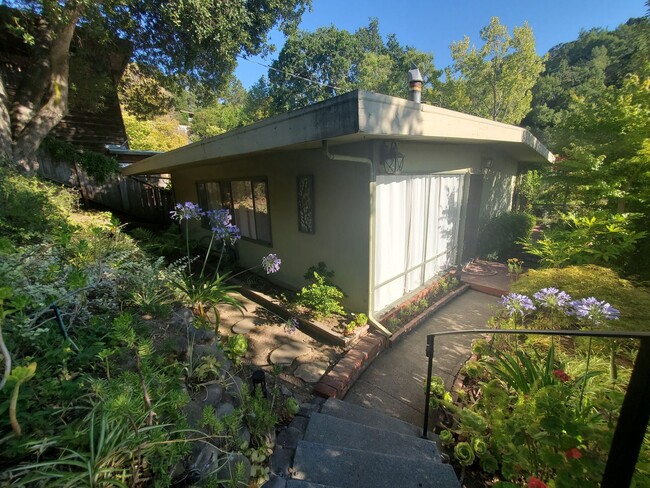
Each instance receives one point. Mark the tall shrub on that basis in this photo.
(499, 237)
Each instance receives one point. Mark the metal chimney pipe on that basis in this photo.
(415, 84)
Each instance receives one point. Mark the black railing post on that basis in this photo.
(632, 423)
(427, 395)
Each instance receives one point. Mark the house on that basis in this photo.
(387, 192)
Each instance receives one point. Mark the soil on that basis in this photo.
(267, 332)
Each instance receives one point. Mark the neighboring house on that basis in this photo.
(387, 192)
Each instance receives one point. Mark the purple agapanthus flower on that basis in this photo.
(553, 298)
(594, 310)
(517, 304)
(291, 325)
(186, 211)
(271, 263)
(221, 226)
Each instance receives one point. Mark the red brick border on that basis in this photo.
(342, 376)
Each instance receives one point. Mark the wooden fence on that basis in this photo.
(143, 199)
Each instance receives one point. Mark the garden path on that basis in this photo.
(394, 382)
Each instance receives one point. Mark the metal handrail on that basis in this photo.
(635, 411)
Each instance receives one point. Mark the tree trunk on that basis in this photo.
(41, 100)
(5, 124)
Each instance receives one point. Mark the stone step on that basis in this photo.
(334, 431)
(306, 484)
(369, 417)
(352, 468)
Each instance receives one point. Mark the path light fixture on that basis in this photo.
(259, 378)
(391, 158)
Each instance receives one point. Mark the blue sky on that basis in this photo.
(432, 25)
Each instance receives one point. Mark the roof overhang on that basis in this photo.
(354, 116)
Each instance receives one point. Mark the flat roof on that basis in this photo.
(354, 116)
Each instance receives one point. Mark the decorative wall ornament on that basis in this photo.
(306, 204)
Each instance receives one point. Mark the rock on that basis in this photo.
(201, 335)
(311, 372)
(211, 394)
(289, 437)
(286, 353)
(234, 388)
(230, 468)
(281, 461)
(204, 459)
(194, 412)
(224, 409)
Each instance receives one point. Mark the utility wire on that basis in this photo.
(289, 74)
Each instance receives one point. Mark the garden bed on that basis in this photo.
(325, 330)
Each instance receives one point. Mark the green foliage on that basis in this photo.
(584, 67)
(260, 417)
(320, 268)
(98, 166)
(464, 453)
(237, 347)
(158, 134)
(596, 170)
(342, 61)
(501, 234)
(321, 298)
(495, 80)
(142, 94)
(602, 239)
(31, 208)
(203, 293)
(584, 281)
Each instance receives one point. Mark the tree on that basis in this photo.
(198, 39)
(314, 66)
(161, 133)
(605, 160)
(142, 95)
(494, 81)
(584, 67)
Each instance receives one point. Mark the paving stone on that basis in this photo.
(311, 372)
(243, 327)
(286, 353)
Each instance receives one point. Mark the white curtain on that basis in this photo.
(416, 232)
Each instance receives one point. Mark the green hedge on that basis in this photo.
(499, 236)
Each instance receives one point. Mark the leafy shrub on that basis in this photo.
(501, 234)
(601, 238)
(31, 208)
(322, 269)
(97, 165)
(323, 299)
(584, 281)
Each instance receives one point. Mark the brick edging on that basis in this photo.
(341, 377)
(424, 315)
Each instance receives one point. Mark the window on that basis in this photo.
(248, 202)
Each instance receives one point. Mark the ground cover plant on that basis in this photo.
(94, 387)
(537, 411)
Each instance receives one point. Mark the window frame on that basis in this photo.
(227, 203)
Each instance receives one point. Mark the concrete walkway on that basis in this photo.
(394, 382)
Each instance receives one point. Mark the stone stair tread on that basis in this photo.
(334, 431)
(306, 484)
(354, 468)
(369, 417)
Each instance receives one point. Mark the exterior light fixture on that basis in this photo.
(486, 166)
(259, 378)
(392, 159)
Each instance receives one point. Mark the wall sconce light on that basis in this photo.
(392, 159)
(486, 166)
